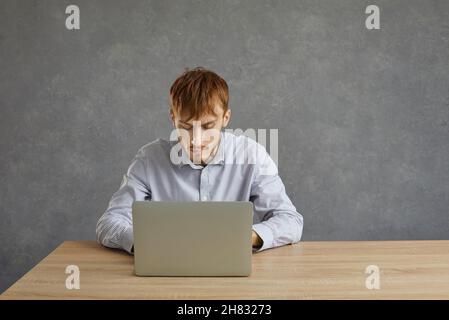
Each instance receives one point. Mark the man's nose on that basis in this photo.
(197, 136)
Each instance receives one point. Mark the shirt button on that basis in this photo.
(204, 198)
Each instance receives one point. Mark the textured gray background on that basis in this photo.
(363, 114)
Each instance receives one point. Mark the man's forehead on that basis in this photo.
(204, 119)
(208, 117)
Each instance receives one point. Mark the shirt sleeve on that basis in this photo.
(114, 228)
(281, 223)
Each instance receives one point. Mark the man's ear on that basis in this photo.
(226, 118)
(172, 117)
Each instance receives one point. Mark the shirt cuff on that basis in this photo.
(265, 234)
(128, 239)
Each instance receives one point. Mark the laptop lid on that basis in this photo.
(192, 238)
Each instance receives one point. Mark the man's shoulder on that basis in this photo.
(154, 149)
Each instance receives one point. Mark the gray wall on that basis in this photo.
(363, 114)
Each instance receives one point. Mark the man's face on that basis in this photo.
(200, 137)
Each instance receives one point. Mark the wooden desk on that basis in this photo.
(307, 270)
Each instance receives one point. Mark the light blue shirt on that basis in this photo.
(154, 176)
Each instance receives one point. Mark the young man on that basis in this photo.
(210, 168)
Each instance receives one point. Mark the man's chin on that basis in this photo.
(200, 155)
(198, 159)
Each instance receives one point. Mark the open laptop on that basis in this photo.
(192, 238)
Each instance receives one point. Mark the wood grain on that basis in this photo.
(307, 270)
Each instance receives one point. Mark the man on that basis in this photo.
(203, 163)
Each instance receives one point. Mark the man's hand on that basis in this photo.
(257, 241)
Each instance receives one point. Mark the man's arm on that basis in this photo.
(280, 222)
(114, 228)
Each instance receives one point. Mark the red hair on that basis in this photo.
(196, 93)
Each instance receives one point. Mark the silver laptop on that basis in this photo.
(192, 238)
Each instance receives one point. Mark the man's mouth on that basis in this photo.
(197, 148)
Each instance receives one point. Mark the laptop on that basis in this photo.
(192, 238)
